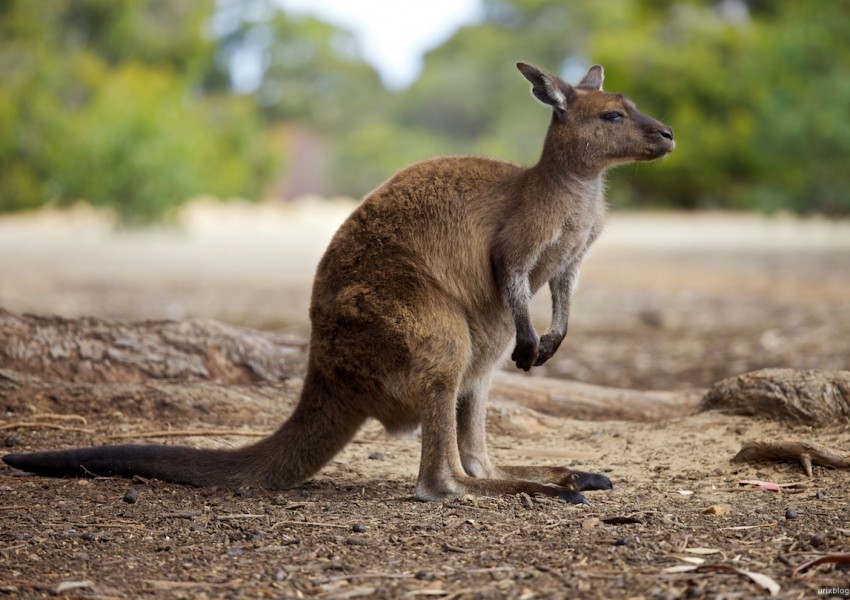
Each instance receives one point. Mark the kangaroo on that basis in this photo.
(417, 301)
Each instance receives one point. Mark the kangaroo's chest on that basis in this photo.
(567, 248)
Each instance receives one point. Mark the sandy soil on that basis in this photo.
(666, 302)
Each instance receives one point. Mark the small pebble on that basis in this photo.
(526, 500)
(624, 541)
(791, 514)
(88, 536)
(12, 440)
(199, 527)
(235, 552)
(245, 492)
(358, 528)
(131, 496)
(376, 456)
(817, 540)
(820, 495)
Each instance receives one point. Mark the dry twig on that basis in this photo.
(309, 523)
(37, 425)
(181, 433)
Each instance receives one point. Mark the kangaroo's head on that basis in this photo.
(591, 129)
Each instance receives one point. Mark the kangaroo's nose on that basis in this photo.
(666, 132)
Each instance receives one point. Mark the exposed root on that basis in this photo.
(804, 452)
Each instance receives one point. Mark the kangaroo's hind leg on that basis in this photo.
(472, 431)
(472, 444)
(435, 380)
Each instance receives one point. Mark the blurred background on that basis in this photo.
(129, 111)
(142, 104)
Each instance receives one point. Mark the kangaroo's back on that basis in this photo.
(437, 218)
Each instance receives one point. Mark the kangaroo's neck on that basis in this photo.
(568, 158)
(561, 175)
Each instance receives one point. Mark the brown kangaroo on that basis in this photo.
(416, 302)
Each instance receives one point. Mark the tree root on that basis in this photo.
(804, 452)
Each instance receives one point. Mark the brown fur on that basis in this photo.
(417, 300)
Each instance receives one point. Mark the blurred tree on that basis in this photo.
(744, 86)
(131, 103)
(800, 144)
(754, 91)
(103, 100)
(305, 71)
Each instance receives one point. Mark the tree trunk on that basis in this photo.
(135, 367)
(234, 374)
(563, 398)
(95, 350)
(816, 398)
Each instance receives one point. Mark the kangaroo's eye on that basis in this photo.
(614, 115)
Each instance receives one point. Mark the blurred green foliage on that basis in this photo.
(104, 100)
(758, 104)
(130, 103)
(757, 93)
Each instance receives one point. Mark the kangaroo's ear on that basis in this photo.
(593, 80)
(546, 87)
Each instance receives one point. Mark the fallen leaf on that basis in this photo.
(744, 527)
(759, 579)
(703, 550)
(716, 510)
(679, 569)
(772, 486)
(685, 492)
(763, 580)
(66, 586)
(829, 558)
(691, 559)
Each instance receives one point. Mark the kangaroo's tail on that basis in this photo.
(169, 463)
(304, 443)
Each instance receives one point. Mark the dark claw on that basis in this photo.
(572, 496)
(591, 481)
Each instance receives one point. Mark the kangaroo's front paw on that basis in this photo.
(525, 352)
(548, 346)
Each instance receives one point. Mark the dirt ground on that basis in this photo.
(665, 302)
